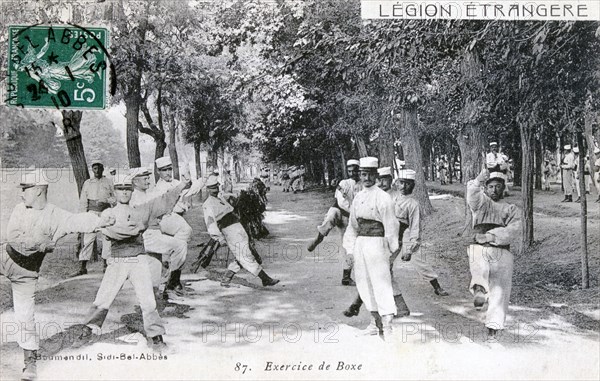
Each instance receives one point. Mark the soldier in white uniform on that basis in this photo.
(568, 165)
(97, 194)
(372, 236)
(223, 225)
(173, 223)
(597, 171)
(33, 229)
(171, 250)
(297, 180)
(128, 259)
(495, 225)
(338, 215)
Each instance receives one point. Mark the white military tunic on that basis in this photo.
(215, 209)
(28, 228)
(372, 250)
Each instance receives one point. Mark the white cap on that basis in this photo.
(407, 174)
(163, 162)
(352, 162)
(123, 181)
(96, 160)
(369, 162)
(596, 150)
(212, 182)
(568, 146)
(30, 179)
(493, 144)
(385, 171)
(576, 150)
(497, 175)
(139, 172)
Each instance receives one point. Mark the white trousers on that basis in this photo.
(419, 263)
(238, 243)
(372, 274)
(23, 283)
(334, 218)
(137, 271)
(88, 244)
(173, 250)
(176, 226)
(492, 268)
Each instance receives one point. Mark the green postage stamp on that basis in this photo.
(57, 66)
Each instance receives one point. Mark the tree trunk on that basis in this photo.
(172, 145)
(197, 160)
(527, 168)
(132, 110)
(71, 131)
(386, 147)
(585, 273)
(470, 141)
(361, 146)
(414, 157)
(539, 159)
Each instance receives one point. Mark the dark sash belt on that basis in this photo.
(129, 247)
(227, 220)
(370, 228)
(97, 206)
(484, 228)
(31, 262)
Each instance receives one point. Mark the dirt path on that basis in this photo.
(215, 331)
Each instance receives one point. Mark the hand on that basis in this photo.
(483, 238)
(106, 220)
(185, 178)
(406, 256)
(484, 175)
(47, 247)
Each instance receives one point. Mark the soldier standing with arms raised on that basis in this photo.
(496, 224)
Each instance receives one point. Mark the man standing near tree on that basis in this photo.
(568, 166)
(97, 194)
(338, 215)
(496, 224)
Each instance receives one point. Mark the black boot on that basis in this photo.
(437, 288)
(402, 308)
(479, 296)
(315, 242)
(174, 283)
(82, 269)
(354, 308)
(267, 280)
(346, 280)
(158, 344)
(30, 370)
(227, 277)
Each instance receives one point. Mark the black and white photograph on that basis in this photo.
(299, 189)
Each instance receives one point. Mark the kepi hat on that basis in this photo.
(384, 171)
(369, 163)
(163, 162)
(352, 162)
(30, 178)
(407, 174)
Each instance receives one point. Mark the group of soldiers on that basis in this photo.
(570, 174)
(379, 220)
(291, 178)
(144, 240)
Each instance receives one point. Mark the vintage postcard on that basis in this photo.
(299, 189)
